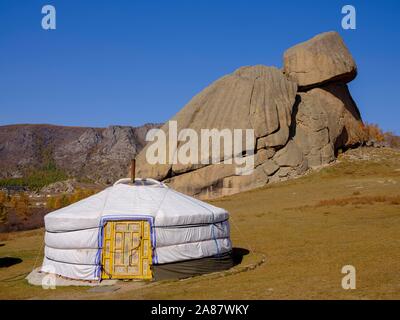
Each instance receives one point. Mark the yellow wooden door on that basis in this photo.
(127, 252)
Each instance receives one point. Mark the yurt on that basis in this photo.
(137, 229)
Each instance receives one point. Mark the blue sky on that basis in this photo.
(131, 62)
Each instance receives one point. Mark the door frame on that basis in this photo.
(113, 218)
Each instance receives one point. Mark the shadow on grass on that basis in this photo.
(194, 267)
(238, 254)
(9, 261)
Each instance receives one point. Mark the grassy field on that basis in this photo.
(307, 229)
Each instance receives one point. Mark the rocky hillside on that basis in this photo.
(99, 154)
(301, 116)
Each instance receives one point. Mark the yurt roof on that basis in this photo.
(145, 199)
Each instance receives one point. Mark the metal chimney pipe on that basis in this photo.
(133, 170)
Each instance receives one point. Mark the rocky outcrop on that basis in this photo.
(99, 154)
(67, 186)
(300, 115)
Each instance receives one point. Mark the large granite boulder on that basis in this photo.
(257, 97)
(324, 58)
(300, 116)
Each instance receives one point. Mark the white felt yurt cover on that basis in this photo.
(182, 227)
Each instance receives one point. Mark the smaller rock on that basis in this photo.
(270, 167)
(235, 184)
(284, 171)
(263, 155)
(289, 156)
(278, 138)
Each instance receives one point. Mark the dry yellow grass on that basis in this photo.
(307, 229)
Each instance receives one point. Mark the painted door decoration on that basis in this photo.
(127, 252)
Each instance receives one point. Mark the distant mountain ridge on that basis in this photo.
(98, 154)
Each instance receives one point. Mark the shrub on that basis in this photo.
(372, 132)
(392, 140)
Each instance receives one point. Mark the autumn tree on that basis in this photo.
(372, 132)
(3, 209)
(50, 203)
(57, 202)
(3, 198)
(20, 203)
